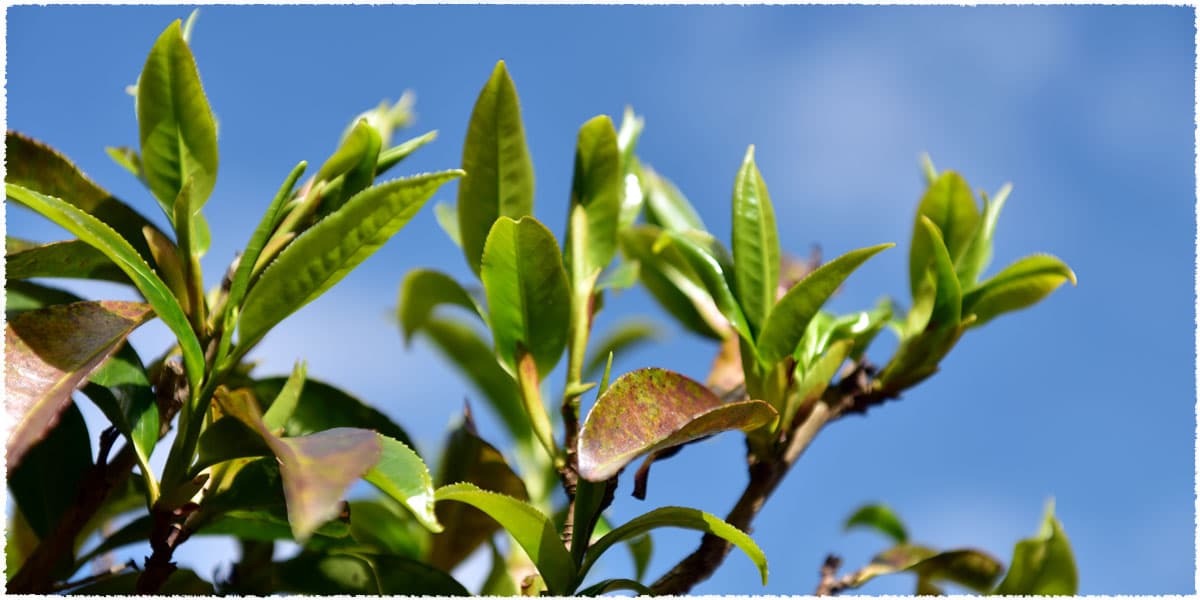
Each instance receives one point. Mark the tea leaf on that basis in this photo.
(499, 173)
(46, 483)
(667, 277)
(948, 203)
(881, 519)
(978, 254)
(714, 277)
(596, 186)
(1043, 565)
(392, 156)
(621, 338)
(50, 352)
(755, 244)
(1020, 285)
(422, 291)
(127, 400)
(666, 206)
(71, 259)
(284, 404)
(651, 409)
(402, 475)
(322, 406)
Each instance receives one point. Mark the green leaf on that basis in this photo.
(880, 518)
(226, 439)
(333, 247)
(596, 186)
(475, 359)
(614, 585)
(1043, 565)
(354, 150)
(529, 527)
(714, 277)
(403, 476)
(632, 195)
(527, 291)
(126, 158)
(668, 278)
(316, 469)
(268, 525)
(1020, 285)
(978, 254)
(755, 244)
(666, 206)
(622, 276)
(621, 338)
(23, 296)
(918, 356)
(38, 167)
(50, 352)
(355, 574)
(322, 406)
(447, 219)
(100, 236)
(947, 299)
(948, 203)
(499, 179)
(182, 582)
(651, 409)
(811, 384)
(641, 549)
(468, 458)
(71, 259)
(46, 483)
(422, 291)
(498, 582)
(176, 129)
(392, 156)
(675, 516)
(973, 569)
(127, 400)
(790, 317)
(241, 277)
(284, 404)
(386, 529)
(358, 177)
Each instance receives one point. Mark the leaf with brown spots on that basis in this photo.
(651, 409)
(51, 351)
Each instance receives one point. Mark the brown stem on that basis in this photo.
(168, 533)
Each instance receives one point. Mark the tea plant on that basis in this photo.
(270, 459)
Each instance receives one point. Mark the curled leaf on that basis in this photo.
(651, 409)
(880, 518)
(1020, 285)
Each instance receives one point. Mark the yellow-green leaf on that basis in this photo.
(948, 203)
(1020, 285)
(755, 244)
(596, 186)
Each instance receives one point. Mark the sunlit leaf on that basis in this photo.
(38, 167)
(918, 357)
(468, 458)
(978, 255)
(948, 203)
(947, 299)
(1020, 285)
(49, 353)
(790, 317)
(386, 528)
(531, 529)
(176, 129)
(632, 194)
(284, 404)
(403, 476)
(666, 206)
(392, 156)
(68, 259)
(329, 250)
(651, 409)
(422, 291)
(880, 518)
(715, 279)
(667, 277)
(499, 179)
(127, 158)
(360, 174)
(100, 236)
(527, 292)
(686, 518)
(973, 569)
(811, 385)
(1043, 565)
(596, 186)
(755, 244)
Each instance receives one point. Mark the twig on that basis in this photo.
(110, 572)
(831, 584)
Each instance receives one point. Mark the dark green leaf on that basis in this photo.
(970, 568)
(641, 549)
(1020, 285)
(227, 439)
(790, 317)
(527, 291)
(596, 186)
(128, 400)
(468, 458)
(652, 409)
(176, 129)
(623, 337)
(23, 296)
(69, 259)
(266, 525)
(183, 582)
(347, 574)
(978, 254)
(100, 236)
(755, 244)
(499, 179)
(329, 250)
(666, 206)
(50, 352)
(918, 356)
(422, 291)
(948, 203)
(322, 406)
(672, 283)
(46, 484)
(284, 405)
(686, 518)
(1043, 565)
(528, 526)
(38, 167)
(881, 519)
(614, 585)
(385, 528)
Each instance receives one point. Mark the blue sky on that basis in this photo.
(1088, 398)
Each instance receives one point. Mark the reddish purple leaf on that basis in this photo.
(51, 351)
(652, 409)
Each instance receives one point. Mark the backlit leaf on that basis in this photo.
(715, 279)
(50, 352)
(322, 406)
(329, 250)
(880, 518)
(947, 300)
(531, 529)
(1043, 565)
(651, 409)
(527, 292)
(948, 203)
(918, 357)
(686, 518)
(666, 206)
(1020, 285)
(422, 291)
(447, 219)
(357, 574)
(790, 317)
(973, 569)
(755, 244)
(665, 275)
(176, 129)
(69, 259)
(402, 475)
(392, 156)
(24, 296)
(978, 254)
(499, 179)
(284, 404)
(596, 186)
